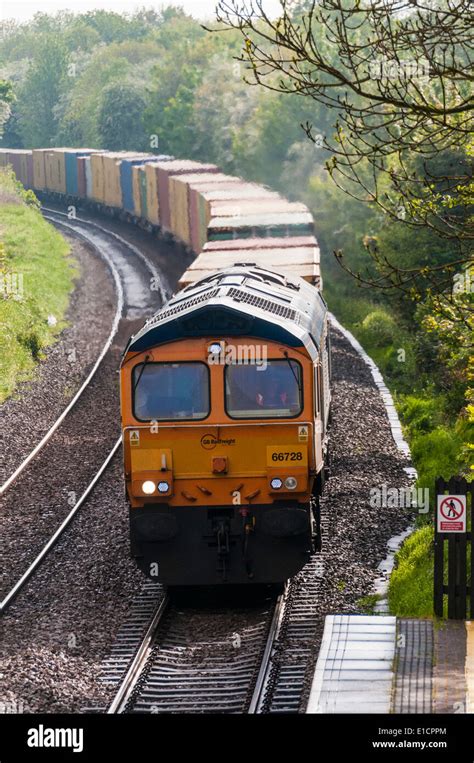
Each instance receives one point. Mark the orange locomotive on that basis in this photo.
(225, 402)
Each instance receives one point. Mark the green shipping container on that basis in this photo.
(143, 198)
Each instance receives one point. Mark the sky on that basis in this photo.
(21, 10)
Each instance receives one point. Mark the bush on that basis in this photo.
(379, 328)
(419, 414)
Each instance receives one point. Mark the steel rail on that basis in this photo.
(49, 545)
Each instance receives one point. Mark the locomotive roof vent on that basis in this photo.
(264, 304)
(183, 304)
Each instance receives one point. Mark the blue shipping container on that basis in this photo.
(70, 162)
(126, 182)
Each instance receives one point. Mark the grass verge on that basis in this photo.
(36, 278)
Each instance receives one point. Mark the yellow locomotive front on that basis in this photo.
(224, 441)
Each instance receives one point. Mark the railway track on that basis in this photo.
(29, 572)
(256, 662)
(172, 660)
(258, 668)
(76, 223)
(196, 661)
(132, 301)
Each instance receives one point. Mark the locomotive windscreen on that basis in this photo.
(171, 391)
(271, 390)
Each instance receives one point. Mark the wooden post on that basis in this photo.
(459, 587)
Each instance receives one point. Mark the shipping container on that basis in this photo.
(153, 209)
(126, 177)
(181, 218)
(256, 206)
(142, 181)
(14, 160)
(137, 203)
(197, 221)
(111, 170)
(21, 162)
(71, 165)
(27, 169)
(48, 170)
(81, 176)
(88, 174)
(296, 261)
(55, 169)
(201, 198)
(260, 243)
(171, 168)
(260, 226)
(97, 177)
(39, 169)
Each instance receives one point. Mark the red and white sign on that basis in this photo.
(452, 514)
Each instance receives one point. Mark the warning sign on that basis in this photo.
(303, 434)
(134, 438)
(452, 514)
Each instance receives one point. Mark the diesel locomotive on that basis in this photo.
(225, 404)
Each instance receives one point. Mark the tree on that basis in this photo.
(120, 118)
(127, 63)
(397, 75)
(6, 98)
(172, 93)
(45, 82)
(11, 136)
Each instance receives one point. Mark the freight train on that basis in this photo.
(225, 391)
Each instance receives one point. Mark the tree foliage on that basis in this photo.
(120, 118)
(397, 77)
(39, 95)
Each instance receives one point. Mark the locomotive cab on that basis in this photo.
(225, 401)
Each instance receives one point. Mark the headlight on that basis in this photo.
(163, 487)
(276, 483)
(214, 348)
(291, 483)
(148, 487)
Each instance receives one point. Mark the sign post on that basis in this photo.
(452, 514)
(452, 527)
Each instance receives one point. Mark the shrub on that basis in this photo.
(379, 328)
(419, 414)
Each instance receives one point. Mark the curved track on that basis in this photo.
(135, 299)
(54, 538)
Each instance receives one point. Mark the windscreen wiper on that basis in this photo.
(297, 379)
(145, 362)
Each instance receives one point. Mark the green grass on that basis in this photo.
(367, 604)
(31, 248)
(410, 592)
